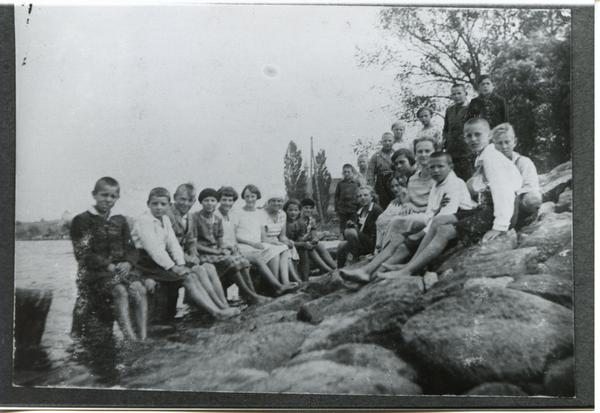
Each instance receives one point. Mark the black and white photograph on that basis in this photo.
(244, 200)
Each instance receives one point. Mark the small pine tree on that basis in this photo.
(321, 182)
(293, 173)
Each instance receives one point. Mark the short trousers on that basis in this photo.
(150, 269)
(225, 264)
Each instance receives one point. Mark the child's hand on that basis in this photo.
(407, 209)
(149, 283)
(490, 235)
(226, 251)
(193, 259)
(112, 268)
(258, 246)
(396, 201)
(122, 269)
(309, 247)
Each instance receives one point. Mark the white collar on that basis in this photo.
(92, 210)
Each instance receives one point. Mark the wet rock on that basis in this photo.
(371, 295)
(559, 381)
(360, 355)
(552, 233)
(486, 334)
(333, 378)
(503, 263)
(496, 389)
(565, 202)
(549, 287)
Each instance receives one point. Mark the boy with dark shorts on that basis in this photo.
(109, 286)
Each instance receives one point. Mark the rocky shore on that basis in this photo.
(495, 319)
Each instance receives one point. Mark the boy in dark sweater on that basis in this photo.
(488, 105)
(345, 202)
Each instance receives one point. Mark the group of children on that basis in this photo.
(404, 207)
(203, 252)
(452, 185)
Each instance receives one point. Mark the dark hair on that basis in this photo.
(426, 138)
(474, 121)
(159, 193)
(291, 202)
(483, 77)
(208, 193)
(228, 191)
(460, 85)
(394, 176)
(428, 109)
(440, 154)
(253, 189)
(347, 166)
(106, 181)
(188, 188)
(308, 202)
(405, 152)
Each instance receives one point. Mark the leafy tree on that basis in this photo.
(293, 173)
(431, 49)
(321, 182)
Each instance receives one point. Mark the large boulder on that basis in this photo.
(565, 202)
(325, 376)
(552, 233)
(372, 295)
(486, 334)
(556, 181)
(559, 265)
(549, 287)
(360, 355)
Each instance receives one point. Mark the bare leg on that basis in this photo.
(246, 291)
(121, 304)
(393, 264)
(199, 297)
(137, 292)
(215, 281)
(531, 201)
(200, 276)
(247, 279)
(342, 253)
(437, 222)
(443, 235)
(363, 274)
(353, 243)
(284, 271)
(324, 254)
(266, 272)
(314, 254)
(274, 267)
(293, 271)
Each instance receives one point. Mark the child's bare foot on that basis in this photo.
(287, 289)
(259, 300)
(228, 313)
(357, 275)
(391, 267)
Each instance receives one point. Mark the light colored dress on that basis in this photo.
(250, 224)
(274, 230)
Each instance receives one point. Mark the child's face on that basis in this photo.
(293, 212)
(505, 144)
(458, 95)
(227, 203)
(158, 205)
(184, 201)
(307, 211)
(476, 137)
(439, 168)
(425, 117)
(422, 151)
(395, 186)
(276, 204)
(106, 198)
(387, 141)
(486, 86)
(362, 163)
(403, 165)
(250, 198)
(398, 131)
(364, 197)
(347, 173)
(209, 204)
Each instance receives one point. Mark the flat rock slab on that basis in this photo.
(504, 263)
(325, 376)
(486, 334)
(549, 287)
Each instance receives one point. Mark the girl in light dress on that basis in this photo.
(252, 240)
(425, 114)
(397, 185)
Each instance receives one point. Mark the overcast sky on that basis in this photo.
(161, 95)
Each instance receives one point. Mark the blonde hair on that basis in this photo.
(504, 129)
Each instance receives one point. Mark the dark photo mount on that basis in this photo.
(582, 113)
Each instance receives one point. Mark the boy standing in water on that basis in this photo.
(106, 277)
